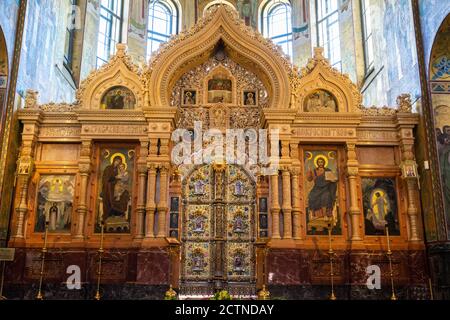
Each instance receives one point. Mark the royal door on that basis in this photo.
(218, 231)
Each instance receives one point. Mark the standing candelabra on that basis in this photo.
(100, 256)
(331, 255)
(264, 294)
(389, 255)
(39, 295)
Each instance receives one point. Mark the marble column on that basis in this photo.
(22, 209)
(150, 206)
(85, 171)
(140, 207)
(413, 212)
(286, 203)
(275, 206)
(352, 174)
(408, 161)
(296, 223)
(162, 205)
(25, 168)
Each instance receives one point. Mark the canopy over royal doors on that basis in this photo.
(224, 76)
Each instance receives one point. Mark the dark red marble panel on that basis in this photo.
(153, 266)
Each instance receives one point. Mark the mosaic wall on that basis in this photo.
(395, 57)
(42, 54)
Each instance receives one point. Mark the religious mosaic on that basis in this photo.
(380, 206)
(239, 222)
(240, 187)
(197, 260)
(220, 89)
(198, 222)
(199, 185)
(238, 260)
(55, 203)
(320, 101)
(118, 98)
(321, 189)
(115, 189)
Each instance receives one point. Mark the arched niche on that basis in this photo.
(194, 47)
(119, 72)
(439, 84)
(320, 77)
(320, 101)
(220, 87)
(118, 98)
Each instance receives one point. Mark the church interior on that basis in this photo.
(114, 120)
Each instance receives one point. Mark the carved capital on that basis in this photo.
(86, 148)
(163, 167)
(142, 169)
(84, 167)
(295, 171)
(352, 171)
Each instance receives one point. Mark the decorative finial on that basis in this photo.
(121, 50)
(31, 99)
(318, 53)
(404, 103)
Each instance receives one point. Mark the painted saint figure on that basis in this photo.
(112, 205)
(199, 224)
(238, 263)
(239, 188)
(188, 98)
(322, 196)
(249, 99)
(122, 182)
(197, 262)
(199, 187)
(238, 224)
(380, 206)
(53, 216)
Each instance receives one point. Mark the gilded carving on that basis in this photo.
(60, 132)
(114, 129)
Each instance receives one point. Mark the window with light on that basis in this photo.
(328, 30)
(162, 23)
(277, 24)
(110, 29)
(367, 35)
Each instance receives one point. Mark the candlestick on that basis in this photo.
(100, 254)
(389, 254)
(331, 253)
(264, 294)
(39, 295)
(3, 278)
(431, 289)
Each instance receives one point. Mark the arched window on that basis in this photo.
(277, 23)
(367, 35)
(163, 21)
(328, 30)
(110, 29)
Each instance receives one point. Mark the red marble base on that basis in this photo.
(312, 267)
(149, 266)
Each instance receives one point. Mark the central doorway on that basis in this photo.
(218, 232)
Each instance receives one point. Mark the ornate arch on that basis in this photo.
(119, 71)
(193, 47)
(319, 75)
